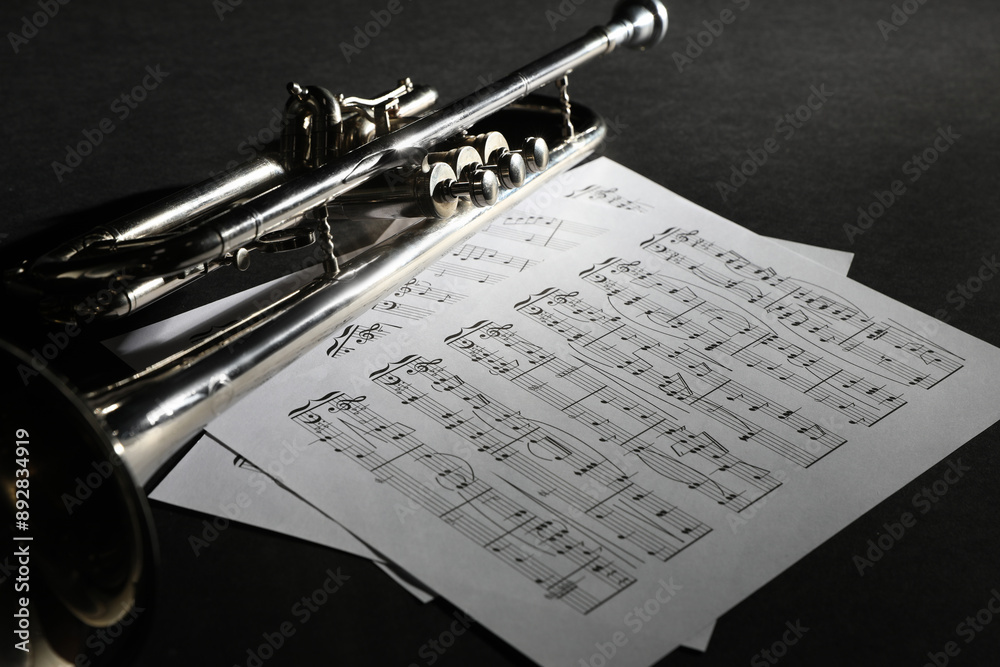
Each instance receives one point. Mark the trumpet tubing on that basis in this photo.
(339, 159)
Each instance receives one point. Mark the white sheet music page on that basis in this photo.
(600, 461)
(210, 479)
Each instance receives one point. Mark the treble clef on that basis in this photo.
(407, 288)
(683, 237)
(563, 297)
(346, 404)
(626, 267)
(496, 331)
(423, 366)
(369, 334)
(603, 194)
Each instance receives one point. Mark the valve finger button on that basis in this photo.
(510, 169)
(535, 152)
(481, 187)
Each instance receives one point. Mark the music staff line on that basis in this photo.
(611, 197)
(722, 331)
(898, 357)
(475, 253)
(632, 425)
(543, 456)
(356, 335)
(543, 232)
(679, 387)
(547, 549)
(423, 289)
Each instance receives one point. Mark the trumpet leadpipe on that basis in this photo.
(636, 24)
(98, 562)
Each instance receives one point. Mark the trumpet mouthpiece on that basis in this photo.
(645, 23)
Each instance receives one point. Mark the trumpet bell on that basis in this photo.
(90, 452)
(92, 547)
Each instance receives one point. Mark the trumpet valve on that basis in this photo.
(398, 194)
(509, 167)
(461, 159)
(480, 186)
(535, 152)
(475, 182)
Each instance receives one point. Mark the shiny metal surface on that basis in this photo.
(633, 26)
(140, 422)
(174, 399)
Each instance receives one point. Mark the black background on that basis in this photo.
(683, 129)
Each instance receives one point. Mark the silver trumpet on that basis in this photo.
(342, 161)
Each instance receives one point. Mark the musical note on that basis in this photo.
(360, 335)
(610, 197)
(830, 320)
(442, 268)
(545, 232)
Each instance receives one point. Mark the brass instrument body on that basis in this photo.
(340, 159)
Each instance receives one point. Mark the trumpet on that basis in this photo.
(341, 162)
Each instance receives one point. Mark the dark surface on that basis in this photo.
(684, 130)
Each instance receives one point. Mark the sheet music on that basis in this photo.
(212, 479)
(146, 345)
(561, 454)
(207, 479)
(555, 456)
(508, 246)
